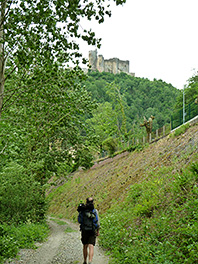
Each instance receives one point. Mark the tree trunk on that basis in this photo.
(2, 54)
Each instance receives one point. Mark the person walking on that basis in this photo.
(88, 219)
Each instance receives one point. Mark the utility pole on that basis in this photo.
(183, 106)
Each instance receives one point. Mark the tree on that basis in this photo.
(190, 90)
(20, 194)
(42, 104)
(47, 120)
(104, 122)
(138, 96)
(38, 32)
(114, 92)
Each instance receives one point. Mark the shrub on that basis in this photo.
(21, 197)
(13, 238)
(110, 145)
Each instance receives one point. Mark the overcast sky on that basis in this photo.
(158, 37)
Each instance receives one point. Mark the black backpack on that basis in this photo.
(90, 220)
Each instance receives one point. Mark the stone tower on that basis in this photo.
(93, 59)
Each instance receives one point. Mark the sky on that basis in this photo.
(158, 37)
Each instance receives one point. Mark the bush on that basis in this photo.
(13, 238)
(83, 159)
(21, 197)
(110, 145)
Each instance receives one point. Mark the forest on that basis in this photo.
(123, 102)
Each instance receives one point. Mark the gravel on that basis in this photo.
(62, 246)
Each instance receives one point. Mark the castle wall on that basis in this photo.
(123, 66)
(100, 63)
(116, 66)
(112, 65)
(108, 66)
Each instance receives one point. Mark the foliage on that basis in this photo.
(84, 159)
(21, 197)
(52, 28)
(190, 92)
(43, 133)
(104, 122)
(156, 222)
(147, 201)
(25, 235)
(137, 96)
(194, 169)
(114, 93)
(138, 147)
(181, 130)
(42, 105)
(110, 145)
(46, 123)
(124, 100)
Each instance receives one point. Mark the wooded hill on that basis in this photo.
(123, 101)
(147, 200)
(137, 96)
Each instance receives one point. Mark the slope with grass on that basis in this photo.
(147, 200)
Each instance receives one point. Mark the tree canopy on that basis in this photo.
(42, 102)
(136, 97)
(39, 32)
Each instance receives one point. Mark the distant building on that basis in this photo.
(112, 65)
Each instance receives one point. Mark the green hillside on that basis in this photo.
(147, 200)
(138, 96)
(123, 102)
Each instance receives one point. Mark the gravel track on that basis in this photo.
(60, 248)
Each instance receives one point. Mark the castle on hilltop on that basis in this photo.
(97, 62)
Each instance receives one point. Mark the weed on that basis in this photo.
(181, 130)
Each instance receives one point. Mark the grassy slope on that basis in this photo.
(147, 200)
(109, 181)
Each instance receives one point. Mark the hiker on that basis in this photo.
(89, 227)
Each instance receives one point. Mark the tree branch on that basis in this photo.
(3, 149)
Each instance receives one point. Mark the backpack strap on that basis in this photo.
(95, 220)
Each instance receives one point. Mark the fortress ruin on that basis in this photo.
(98, 63)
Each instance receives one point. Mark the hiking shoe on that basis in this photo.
(84, 262)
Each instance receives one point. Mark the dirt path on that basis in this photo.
(62, 247)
